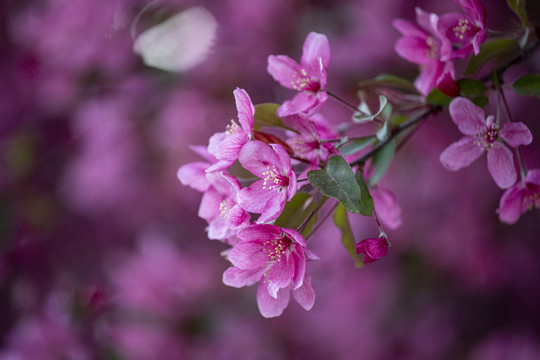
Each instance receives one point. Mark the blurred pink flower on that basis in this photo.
(309, 77)
(481, 135)
(422, 45)
(278, 256)
(386, 206)
(463, 32)
(520, 198)
(373, 248)
(268, 195)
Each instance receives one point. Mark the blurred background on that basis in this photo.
(103, 256)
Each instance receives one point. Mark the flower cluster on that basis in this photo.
(436, 41)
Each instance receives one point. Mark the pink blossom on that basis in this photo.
(463, 32)
(219, 206)
(194, 174)
(520, 198)
(226, 145)
(309, 77)
(268, 195)
(278, 256)
(481, 135)
(422, 45)
(373, 248)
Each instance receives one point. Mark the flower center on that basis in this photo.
(232, 128)
(275, 248)
(532, 198)
(463, 31)
(224, 209)
(303, 82)
(274, 179)
(486, 139)
(432, 49)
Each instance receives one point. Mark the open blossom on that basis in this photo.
(463, 32)
(373, 248)
(523, 196)
(484, 135)
(194, 174)
(309, 77)
(277, 256)
(268, 195)
(422, 45)
(219, 206)
(226, 145)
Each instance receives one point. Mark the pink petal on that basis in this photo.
(218, 229)
(238, 278)
(500, 163)
(210, 201)
(428, 21)
(316, 51)
(299, 259)
(533, 177)
(280, 275)
(429, 74)
(194, 175)
(414, 49)
(259, 233)
(460, 154)
(257, 156)
(271, 307)
(304, 102)
(248, 255)
(386, 206)
(448, 85)
(305, 295)
(246, 110)
(284, 70)
(274, 206)
(255, 197)
(237, 218)
(510, 206)
(515, 134)
(296, 236)
(230, 146)
(469, 118)
(407, 28)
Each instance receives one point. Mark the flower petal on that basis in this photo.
(515, 134)
(469, 118)
(460, 154)
(248, 255)
(259, 233)
(280, 275)
(407, 28)
(386, 206)
(257, 157)
(274, 206)
(510, 206)
(194, 175)
(315, 47)
(246, 110)
(284, 70)
(500, 163)
(238, 278)
(305, 295)
(255, 197)
(271, 307)
(209, 207)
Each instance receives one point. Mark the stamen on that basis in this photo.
(274, 179)
(232, 128)
(275, 248)
(224, 210)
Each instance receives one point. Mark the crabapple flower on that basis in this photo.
(422, 45)
(268, 195)
(219, 207)
(226, 145)
(373, 248)
(484, 135)
(309, 77)
(463, 32)
(194, 174)
(277, 256)
(306, 141)
(520, 198)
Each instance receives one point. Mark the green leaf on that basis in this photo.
(528, 85)
(381, 161)
(337, 180)
(366, 201)
(436, 97)
(390, 81)
(471, 87)
(498, 51)
(295, 212)
(518, 6)
(474, 90)
(266, 116)
(341, 220)
(357, 145)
